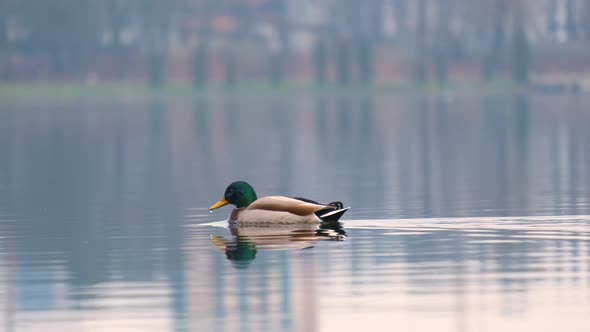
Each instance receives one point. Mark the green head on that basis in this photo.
(239, 193)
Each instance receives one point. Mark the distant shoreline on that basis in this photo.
(67, 91)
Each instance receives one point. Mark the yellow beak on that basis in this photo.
(222, 202)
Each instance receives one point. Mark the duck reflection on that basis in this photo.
(241, 248)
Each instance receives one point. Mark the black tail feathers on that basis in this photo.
(337, 205)
(328, 214)
(332, 214)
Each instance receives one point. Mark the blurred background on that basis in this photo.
(228, 42)
(457, 131)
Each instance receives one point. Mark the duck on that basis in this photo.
(249, 209)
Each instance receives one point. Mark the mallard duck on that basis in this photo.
(275, 209)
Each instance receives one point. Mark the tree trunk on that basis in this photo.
(156, 32)
(441, 49)
(342, 63)
(494, 59)
(376, 20)
(520, 55)
(156, 70)
(230, 70)
(365, 61)
(320, 62)
(571, 24)
(278, 60)
(400, 8)
(200, 64)
(421, 65)
(551, 14)
(276, 68)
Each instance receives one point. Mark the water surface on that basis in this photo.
(468, 214)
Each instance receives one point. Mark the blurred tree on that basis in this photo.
(231, 59)
(5, 13)
(117, 15)
(370, 33)
(400, 14)
(551, 19)
(421, 64)
(520, 54)
(494, 59)
(70, 33)
(320, 61)
(571, 25)
(66, 30)
(230, 67)
(276, 68)
(342, 63)
(156, 15)
(280, 58)
(365, 60)
(156, 69)
(442, 40)
(5, 64)
(199, 66)
(375, 19)
(200, 57)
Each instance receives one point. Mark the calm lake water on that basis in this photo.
(468, 214)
